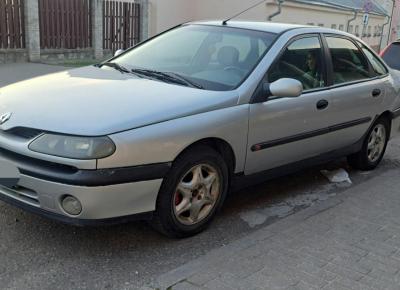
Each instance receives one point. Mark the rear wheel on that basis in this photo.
(192, 193)
(374, 147)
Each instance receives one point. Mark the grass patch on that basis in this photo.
(77, 62)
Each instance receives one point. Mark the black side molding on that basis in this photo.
(241, 181)
(104, 177)
(315, 133)
(73, 176)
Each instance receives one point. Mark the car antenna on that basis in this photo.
(236, 15)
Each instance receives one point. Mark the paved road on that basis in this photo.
(36, 253)
(351, 241)
(11, 73)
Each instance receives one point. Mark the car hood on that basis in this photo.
(93, 101)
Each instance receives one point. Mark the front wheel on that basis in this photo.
(374, 147)
(192, 193)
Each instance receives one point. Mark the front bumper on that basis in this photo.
(107, 195)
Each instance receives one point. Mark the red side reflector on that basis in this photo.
(382, 53)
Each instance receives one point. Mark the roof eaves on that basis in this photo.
(329, 4)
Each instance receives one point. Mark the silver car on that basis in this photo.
(163, 130)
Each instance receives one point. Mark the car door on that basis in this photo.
(357, 91)
(285, 130)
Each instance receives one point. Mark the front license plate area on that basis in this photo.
(9, 174)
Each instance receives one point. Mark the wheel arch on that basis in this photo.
(388, 115)
(221, 146)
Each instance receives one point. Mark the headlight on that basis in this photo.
(73, 147)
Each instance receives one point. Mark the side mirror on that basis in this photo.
(286, 88)
(118, 52)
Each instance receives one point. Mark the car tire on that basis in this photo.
(192, 192)
(373, 148)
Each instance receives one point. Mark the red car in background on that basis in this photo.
(391, 55)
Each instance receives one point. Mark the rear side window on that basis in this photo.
(392, 55)
(349, 64)
(378, 67)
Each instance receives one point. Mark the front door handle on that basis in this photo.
(376, 93)
(322, 104)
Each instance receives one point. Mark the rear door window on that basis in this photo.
(378, 68)
(349, 63)
(392, 55)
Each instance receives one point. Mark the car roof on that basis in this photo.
(252, 25)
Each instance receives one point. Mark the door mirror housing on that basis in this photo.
(285, 88)
(118, 52)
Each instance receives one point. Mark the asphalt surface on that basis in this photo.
(36, 253)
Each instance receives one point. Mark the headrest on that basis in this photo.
(228, 56)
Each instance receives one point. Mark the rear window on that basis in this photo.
(392, 55)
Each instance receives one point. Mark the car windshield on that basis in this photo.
(203, 56)
(392, 55)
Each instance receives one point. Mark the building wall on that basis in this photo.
(164, 14)
(167, 13)
(396, 22)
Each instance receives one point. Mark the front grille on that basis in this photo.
(22, 194)
(24, 133)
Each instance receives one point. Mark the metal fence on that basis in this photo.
(12, 27)
(121, 24)
(64, 24)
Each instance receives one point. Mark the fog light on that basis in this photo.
(71, 205)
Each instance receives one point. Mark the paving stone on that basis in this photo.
(319, 254)
(187, 286)
(335, 286)
(374, 264)
(313, 269)
(293, 274)
(353, 262)
(377, 247)
(351, 284)
(379, 274)
(217, 284)
(378, 283)
(272, 280)
(343, 272)
(302, 286)
(244, 267)
(202, 277)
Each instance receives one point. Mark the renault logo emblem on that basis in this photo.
(4, 118)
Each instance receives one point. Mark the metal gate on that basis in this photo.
(64, 24)
(121, 24)
(12, 30)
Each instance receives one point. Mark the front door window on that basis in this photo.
(302, 60)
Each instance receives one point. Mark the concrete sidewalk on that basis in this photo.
(351, 241)
(10, 73)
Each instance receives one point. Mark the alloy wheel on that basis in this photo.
(376, 143)
(197, 194)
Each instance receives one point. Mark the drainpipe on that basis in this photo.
(352, 19)
(383, 29)
(280, 2)
(391, 21)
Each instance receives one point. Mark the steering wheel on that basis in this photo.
(307, 80)
(234, 69)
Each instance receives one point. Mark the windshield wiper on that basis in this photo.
(184, 79)
(117, 66)
(167, 76)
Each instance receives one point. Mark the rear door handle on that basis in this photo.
(376, 93)
(322, 104)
